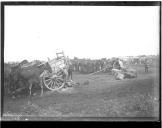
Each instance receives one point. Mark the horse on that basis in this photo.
(32, 74)
(23, 62)
(115, 71)
(7, 71)
(130, 73)
(119, 76)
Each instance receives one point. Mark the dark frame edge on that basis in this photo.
(84, 3)
(160, 63)
(156, 3)
(2, 56)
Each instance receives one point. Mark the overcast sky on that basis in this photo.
(36, 32)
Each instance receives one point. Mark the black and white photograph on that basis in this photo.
(81, 62)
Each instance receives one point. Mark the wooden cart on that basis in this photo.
(57, 79)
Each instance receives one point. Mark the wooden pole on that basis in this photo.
(97, 71)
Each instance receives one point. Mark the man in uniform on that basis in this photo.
(70, 73)
(146, 66)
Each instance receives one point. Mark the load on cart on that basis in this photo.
(60, 73)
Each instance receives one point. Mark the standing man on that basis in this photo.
(121, 64)
(118, 64)
(70, 73)
(146, 66)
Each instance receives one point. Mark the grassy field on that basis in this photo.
(101, 96)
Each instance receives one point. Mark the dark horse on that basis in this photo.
(23, 62)
(31, 74)
(7, 71)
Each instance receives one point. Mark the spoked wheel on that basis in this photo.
(55, 81)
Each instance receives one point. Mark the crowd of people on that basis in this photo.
(90, 66)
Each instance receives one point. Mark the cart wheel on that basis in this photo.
(54, 81)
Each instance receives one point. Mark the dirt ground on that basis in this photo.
(97, 96)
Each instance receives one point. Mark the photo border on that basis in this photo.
(78, 3)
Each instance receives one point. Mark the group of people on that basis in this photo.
(119, 65)
(87, 66)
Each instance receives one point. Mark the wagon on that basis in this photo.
(57, 79)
